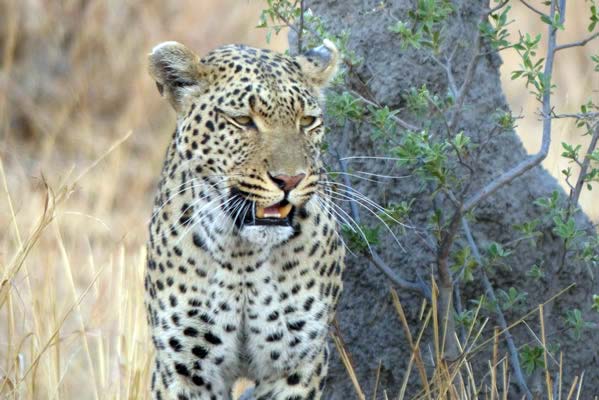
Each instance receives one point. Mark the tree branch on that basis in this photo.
(533, 9)
(575, 192)
(469, 75)
(577, 44)
(301, 28)
(532, 161)
(419, 287)
(514, 360)
(584, 168)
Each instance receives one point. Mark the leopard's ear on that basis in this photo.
(319, 64)
(177, 71)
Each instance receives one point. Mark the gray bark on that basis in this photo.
(368, 323)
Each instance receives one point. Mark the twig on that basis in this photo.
(579, 116)
(532, 161)
(419, 287)
(533, 9)
(468, 77)
(575, 192)
(514, 360)
(299, 32)
(373, 103)
(497, 7)
(301, 28)
(453, 88)
(293, 27)
(584, 167)
(462, 92)
(576, 44)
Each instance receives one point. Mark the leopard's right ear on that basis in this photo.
(177, 70)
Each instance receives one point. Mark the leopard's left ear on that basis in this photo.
(177, 71)
(319, 64)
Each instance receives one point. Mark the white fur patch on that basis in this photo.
(266, 235)
(163, 44)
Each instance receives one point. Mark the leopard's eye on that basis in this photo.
(244, 120)
(308, 121)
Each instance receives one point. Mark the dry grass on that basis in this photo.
(457, 380)
(82, 134)
(74, 195)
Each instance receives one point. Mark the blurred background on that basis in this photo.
(80, 115)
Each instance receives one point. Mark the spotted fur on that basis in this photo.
(226, 298)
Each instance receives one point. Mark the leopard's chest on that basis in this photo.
(261, 311)
(284, 316)
(272, 311)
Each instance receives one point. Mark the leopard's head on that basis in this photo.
(249, 122)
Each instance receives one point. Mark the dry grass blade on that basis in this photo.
(19, 258)
(377, 380)
(54, 335)
(572, 388)
(345, 359)
(522, 318)
(548, 382)
(415, 356)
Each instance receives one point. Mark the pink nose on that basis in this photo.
(286, 182)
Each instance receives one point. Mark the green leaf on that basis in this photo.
(532, 358)
(495, 250)
(595, 305)
(361, 237)
(575, 321)
(535, 272)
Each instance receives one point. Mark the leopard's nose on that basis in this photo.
(286, 182)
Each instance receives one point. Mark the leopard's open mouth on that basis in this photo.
(280, 214)
(250, 214)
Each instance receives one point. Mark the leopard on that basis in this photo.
(244, 256)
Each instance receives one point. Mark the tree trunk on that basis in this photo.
(368, 323)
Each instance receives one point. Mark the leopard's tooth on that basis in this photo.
(272, 214)
(285, 210)
(259, 212)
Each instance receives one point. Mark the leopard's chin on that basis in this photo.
(266, 235)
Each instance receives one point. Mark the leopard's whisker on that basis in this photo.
(174, 195)
(198, 215)
(347, 198)
(195, 214)
(374, 158)
(354, 195)
(234, 213)
(355, 224)
(357, 174)
(248, 207)
(337, 217)
(195, 186)
(329, 208)
(201, 214)
(203, 197)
